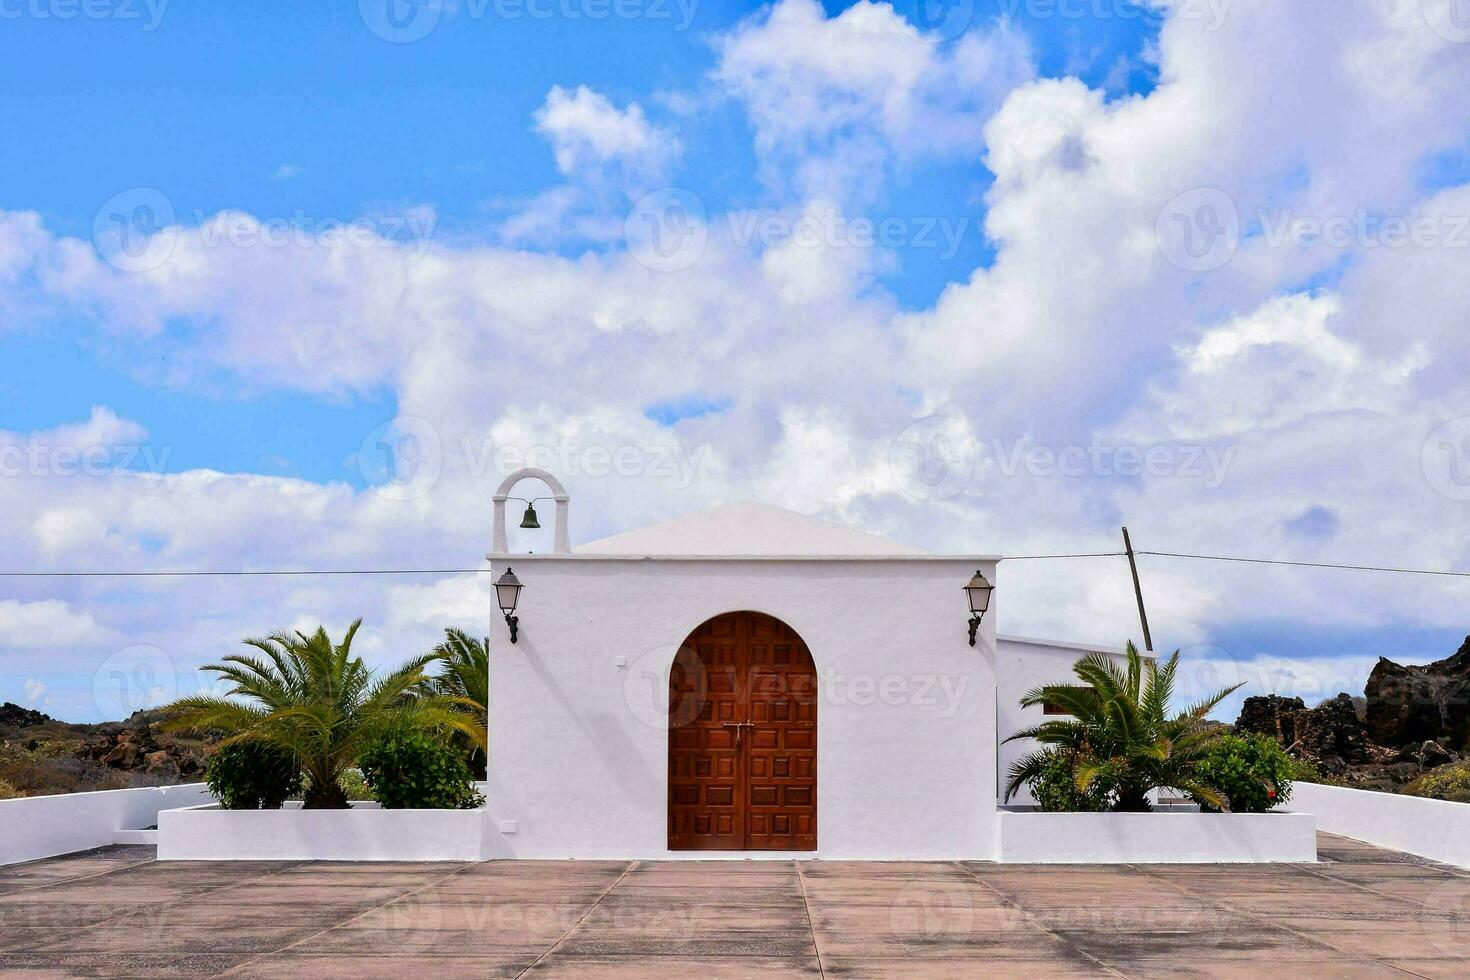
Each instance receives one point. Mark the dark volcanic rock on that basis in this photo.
(1270, 714)
(1432, 755)
(133, 747)
(13, 715)
(1412, 705)
(1332, 733)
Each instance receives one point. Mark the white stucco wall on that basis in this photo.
(42, 826)
(1023, 663)
(906, 721)
(364, 832)
(1434, 829)
(1156, 838)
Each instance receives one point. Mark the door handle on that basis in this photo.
(740, 727)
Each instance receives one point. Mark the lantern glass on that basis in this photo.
(978, 591)
(507, 591)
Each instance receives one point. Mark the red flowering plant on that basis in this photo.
(1252, 771)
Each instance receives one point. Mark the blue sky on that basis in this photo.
(209, 103)
(1029, 153)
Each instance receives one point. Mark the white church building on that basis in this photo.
(750, 682)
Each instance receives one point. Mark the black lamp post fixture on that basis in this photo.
(978, 590)
(508, 593)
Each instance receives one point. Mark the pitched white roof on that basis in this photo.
(746, 529)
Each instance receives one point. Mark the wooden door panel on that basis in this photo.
(783, 741)
(742, 763)
(706, 785)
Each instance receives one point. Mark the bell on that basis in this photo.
(530, 519)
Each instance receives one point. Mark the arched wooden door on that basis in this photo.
(743, 738)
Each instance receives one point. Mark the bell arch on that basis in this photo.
(561, 543)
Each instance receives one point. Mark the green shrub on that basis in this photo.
(354, 785)
(1450, 782)
(1307, 771)
(252, 776)
(311, 696)
(1252, 772)
(410, 769)
(1055, 788)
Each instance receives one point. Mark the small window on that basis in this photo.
(1056, 709)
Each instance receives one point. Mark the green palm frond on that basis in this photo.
(1023, 771)
(1058, 732)
(464, 678)
(312, 696)
(1121, 741)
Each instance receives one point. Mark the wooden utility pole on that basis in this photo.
(1148, 641)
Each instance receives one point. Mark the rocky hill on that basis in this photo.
(40, 755)
(1410, 721)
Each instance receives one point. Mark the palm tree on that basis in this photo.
(313, 698)
(1120, 735)
(464, 676)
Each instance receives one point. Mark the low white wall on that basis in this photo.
(1430, 828)
(1156, 838)
(363, 833)
(43, 826)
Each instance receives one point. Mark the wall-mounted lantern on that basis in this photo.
(978, 590)
(508, 593)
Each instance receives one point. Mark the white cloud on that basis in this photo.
(588, 133)
(1279, 365)
(102, 430)
(34, 690)
(46, 624)
(833, 99)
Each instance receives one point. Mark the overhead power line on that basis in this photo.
(1309, 564)
(268, 572)
(1088, 554)
(233, 572)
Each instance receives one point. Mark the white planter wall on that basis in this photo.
(1156, 838)
(363, 833)
(44, 826)
(1430, 828)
